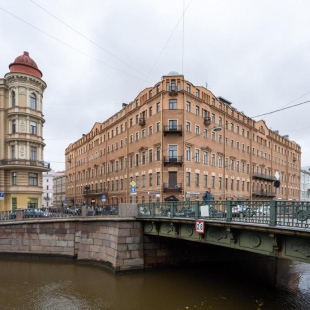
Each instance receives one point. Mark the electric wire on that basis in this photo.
(90, 40)
(70, 46)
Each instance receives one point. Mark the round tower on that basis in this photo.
(21, 136)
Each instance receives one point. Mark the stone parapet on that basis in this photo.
(115, 243)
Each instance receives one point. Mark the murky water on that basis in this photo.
(49, 284)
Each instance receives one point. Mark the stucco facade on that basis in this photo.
(179, 139)
(21, 135)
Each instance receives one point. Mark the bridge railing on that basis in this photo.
(58, 212)
(272, 213)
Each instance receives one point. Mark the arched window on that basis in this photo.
(13, 98)
(33, 101)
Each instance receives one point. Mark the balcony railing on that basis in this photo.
(263, 176)
(24, 162)
(173, 90)
(207, 121)
(264, 194)
(178, 160)
(141, 121)
(172, 187)
(95, 192)
(173, 129)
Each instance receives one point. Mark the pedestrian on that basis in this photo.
(207, 195)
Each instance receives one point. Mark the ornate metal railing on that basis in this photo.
(273, 213)
(24, 162)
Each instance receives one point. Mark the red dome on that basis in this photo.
(25, 64)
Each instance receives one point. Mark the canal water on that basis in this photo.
(259, 284)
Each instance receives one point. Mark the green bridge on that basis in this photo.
(274, 228)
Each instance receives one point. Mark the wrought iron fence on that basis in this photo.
(273, 213)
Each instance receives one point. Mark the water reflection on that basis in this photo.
(255, 284)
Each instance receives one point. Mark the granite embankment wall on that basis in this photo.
(116, 243)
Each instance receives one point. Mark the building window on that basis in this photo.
(33, 128)
(33, 101)
(33, 153)
(205, 133)
(188, 179)
(213, 160)
(173, 151)
(137, 136)
(13, 126)
(158, 107)
(143, 158)
(196, 179)
(197, 110)
(220, 182)
(188, 126)
(143, 180)
(188, 88)
(205, 180)
(150, 156)
(158, 153)
(188, 106)
(14, 178)
(150, 130)
(157, 178)
(197, 130)
(158, 127)
(33, 179)
(213, 135)
(143, 133)
(197, 93)
(173, 124)
(232, 184)
(213, 118)
(205, 158)
(172, 104)
(220, 160)
(212, 181)
(13, 150)
(150, 111)
(150, 179)
(197, 155)
(13, 98)
(188, 153)
(137, 159)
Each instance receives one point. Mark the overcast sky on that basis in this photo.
(97, 54)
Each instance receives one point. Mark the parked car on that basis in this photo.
(12, 215)
(29, 213)
(263, 210)
(243, 211)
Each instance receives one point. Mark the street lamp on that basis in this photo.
(87, 188)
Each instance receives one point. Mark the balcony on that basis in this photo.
(173, 130)
(25, 163)
(142, 121)
(207, 121)
(95, 192)
(173, 90)
(177, 160)
(47, 198)
(263, 176)
(175, 187)
(263, 194)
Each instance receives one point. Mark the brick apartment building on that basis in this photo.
(179, 139)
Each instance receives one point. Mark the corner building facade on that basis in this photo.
(21, 135)
(179, 139)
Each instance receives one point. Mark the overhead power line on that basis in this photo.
(292, 106)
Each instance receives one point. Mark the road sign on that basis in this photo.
(103, 198)
(65, 202)
(200, 227)
(1, 196)
(132, 189)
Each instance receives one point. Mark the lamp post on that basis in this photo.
(87, 188)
